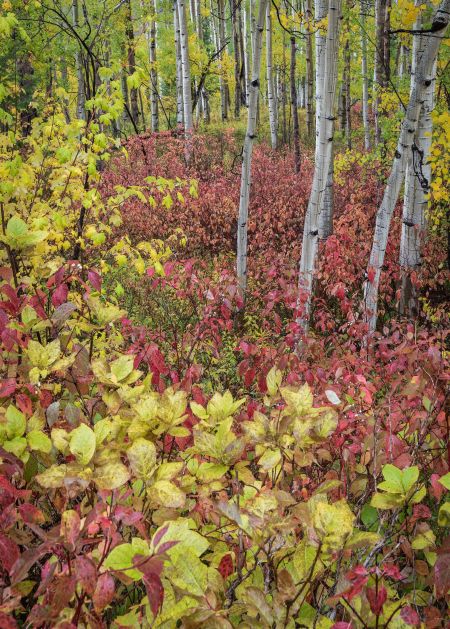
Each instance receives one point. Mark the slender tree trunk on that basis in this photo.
(237, 61)
(382, 59)
(247, 152)
(365, 81)
(131, 58)
(247, 48)
(348, 99)
(295, 125)
(179, 65)
(421, 80)
(309, 73)
(186, 72)
(222, 77)
(153, 70)
(417, 183)
(81, 90)
(270, 87)
(327, 74)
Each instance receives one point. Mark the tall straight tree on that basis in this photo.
(131, 58)
(420, 81)
(153, 71)
(309, 71)
(417, 184)
(326, 73)
(365, 79)
(178, 65)
(294, 110)
(185, 69)
(81, 92)
(244, 198)
(270, 86)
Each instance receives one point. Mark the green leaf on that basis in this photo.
(190, 574)
(410, 476)
(444, 515)
(167, 494)
(394, 476)
(16, 446)
(111, 476)
(142, 457)
(15, 422)
(122, 367)
(362, 539)
(53, 477)
(121, 559)
(38, 440)
(445, 481)
(273, 381)
(386, 501)
(82, 443)
(369, 516)
(269, 459)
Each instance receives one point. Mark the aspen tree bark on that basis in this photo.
(241, 262)
(381, 66)
(186, 72)
(247, 47)
(365, 80)
(421, 80)
(153, 70)
(295, 125)
(348, 100)
(81, 92)
(327, 54)
(131, 59)
(222, 78)
(237, 58)
(417, 183)
(270, 87)
(309, 73)
(178, 63)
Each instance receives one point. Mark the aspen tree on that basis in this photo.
(153, 70)
(186, 72)
(365, 81)
(295, 125)
(420, 81)
(81, 92)
(417, 183)
(326, 73)
(178, 64)
(309, 73)
(270, 87)
(241, 262)
(131, 60)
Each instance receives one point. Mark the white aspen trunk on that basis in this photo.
(241, 262)
(247, 46)
(365, 81)
(179, 69)
(417, 183)
(327, 73)
(326, 216)
(81, 96)
(421, 80)
(309, 73)
(186, 70)
(270, 88)
(150, 33)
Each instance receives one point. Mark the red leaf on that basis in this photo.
(95, 280)
(376, 600)
(442, 574)
(7, 387)
(410, 616)
(9, 552)
(31, 514)
(155, 591)
(104, 592)
(86, 573)
(59, 296)
(226, 566)
(7, 622)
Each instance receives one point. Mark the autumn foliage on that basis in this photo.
(168, 459)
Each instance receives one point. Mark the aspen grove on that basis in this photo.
(224, 314)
